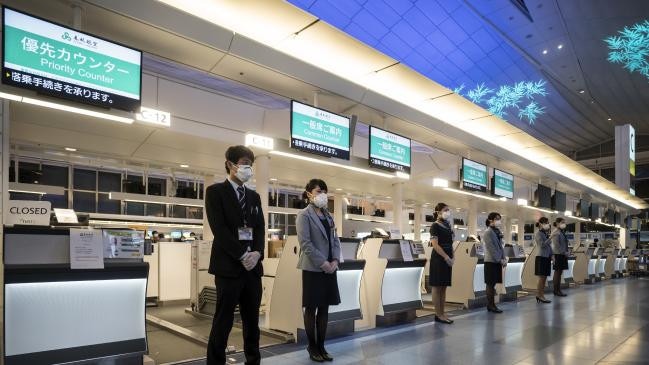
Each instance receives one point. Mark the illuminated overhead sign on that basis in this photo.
(503, 184)
(474, 176)
(62, 62)
(389, 151)
(319, 131)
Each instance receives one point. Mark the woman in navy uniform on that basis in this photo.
(441, 259)
(494, 259)
(543, 258)
(560, 252)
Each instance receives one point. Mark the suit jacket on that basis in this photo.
(225, 217)
(559, 242)
(494, 251)
(314, 247)
(544, 242)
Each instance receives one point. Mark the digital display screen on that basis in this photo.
(583, 209)
(474, 175)
(65, 63)
(559, 201)
(319, 131)
(502, 184)
(389, 151)
(542, 197)
(594, 211)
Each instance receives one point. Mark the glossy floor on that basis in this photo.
(606, 323)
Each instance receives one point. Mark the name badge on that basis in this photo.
(245, 234)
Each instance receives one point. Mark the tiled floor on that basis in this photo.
(606, 323)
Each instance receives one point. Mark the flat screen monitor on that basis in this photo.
(319, 131)
(65, 63)
(609, 216)
(176, 234)
(559, 201)
(502, 184)
(389, 151)
(474, 176)
(594, 211)
(583, 209)
(542, 197)
(617, 219)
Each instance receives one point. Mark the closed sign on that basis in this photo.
(25, 212)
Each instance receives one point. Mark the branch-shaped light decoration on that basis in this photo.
(518, 98)
(631, 48)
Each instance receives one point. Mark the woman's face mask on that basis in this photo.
(320, 200)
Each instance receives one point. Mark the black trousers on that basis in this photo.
(246, 292)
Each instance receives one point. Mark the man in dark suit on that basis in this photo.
(237, 222)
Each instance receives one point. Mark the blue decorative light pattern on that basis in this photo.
(631, 48)
(518, 97)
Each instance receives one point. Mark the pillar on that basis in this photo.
(397, 207)
(262, 178)
(577, 234)
(417, 223)
(507, 222)
(339, 211)
(4, 194)
(207, 231)
(521, 229)
(472, 217)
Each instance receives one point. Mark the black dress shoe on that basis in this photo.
(494, 310)
(541, 300)
(559, 294)
(315, 355)
(445, 321)
(325, 355)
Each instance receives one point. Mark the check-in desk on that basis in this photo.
(617, 263)
(512, 277)
(625, 258)
(568, 276)
(528, 279)
(390, 289)
(582, 256)
(608, 265)
(54, 314)
(467, 284)
(593, 276)
(285, 304)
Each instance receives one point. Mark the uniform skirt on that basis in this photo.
(440, 273)
(319, 289)
(542, 266)
(493, 273)
(560, 262)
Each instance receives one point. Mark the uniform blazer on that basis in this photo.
(225, 217)
(311, 234)
(493, 245)
(559, 242)
(544, 242)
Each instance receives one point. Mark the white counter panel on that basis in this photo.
(401, 285)
(513, 273)
(478, 279)
(349, 286)
(592, 267)
(175, 270)
(152, 285)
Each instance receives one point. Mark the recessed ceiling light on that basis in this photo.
(581, 91)
(70, 149)
(273, 179)
(560, 46)
(609, 119)
(339, 189)
(545, 51)
(184, 166)
(388, 197)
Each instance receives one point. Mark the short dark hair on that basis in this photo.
(438, 208)
(558, 221)
(312, 184)
(542, 220)
(491, 217)
(235, 153)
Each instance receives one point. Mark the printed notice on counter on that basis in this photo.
(86, 249)
(123, 244)
(406, 252)
(66, 216)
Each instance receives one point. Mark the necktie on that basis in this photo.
(242, 198)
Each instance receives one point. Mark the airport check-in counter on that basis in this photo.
(55, 314)
(391, 286)
(512, 277)
(285, 303)
(625, 258)
(582, 265)
(607, 263)
(528, 279)
(618, 254)
(593, 275)
(467, 284)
